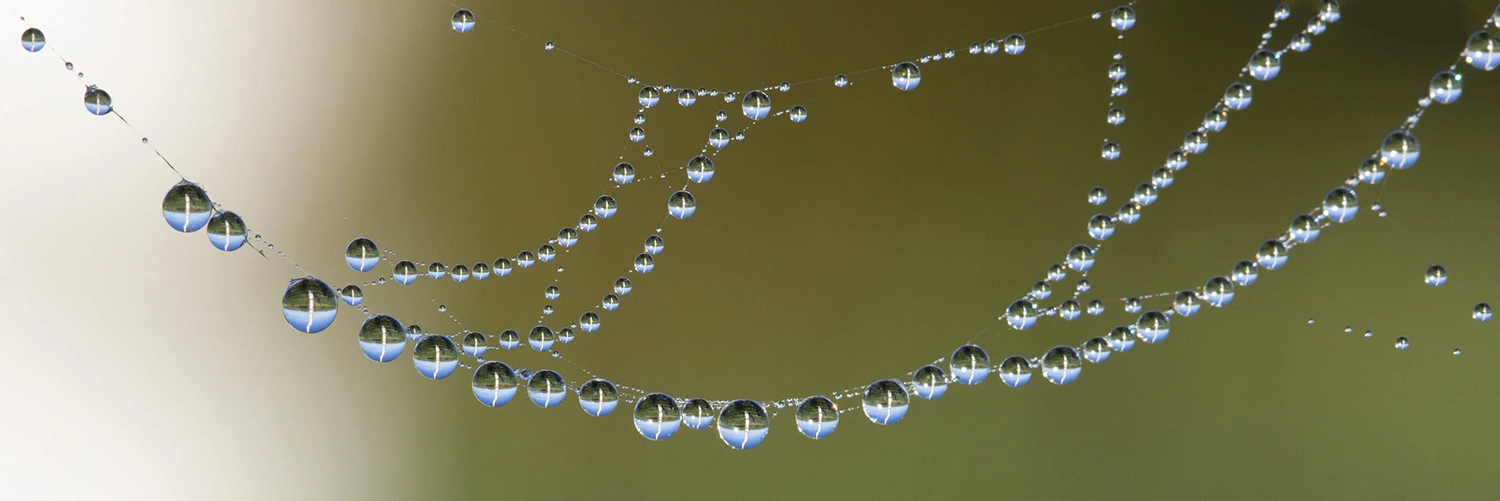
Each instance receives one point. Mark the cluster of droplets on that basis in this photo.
(310, 305)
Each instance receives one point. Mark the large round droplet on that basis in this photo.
(817, 417)
(886, 401)
(1265, 65)
(509, 339)
(475, 344)
(906, 76)
(681, 205)
(226, 231)
(1123, 18)
(686, 97)
(494, 383)
(459, 273)
(435, 356)
(1096, 350)
(97, 101)
(624, 173)
(1436, 275)
(1080, 258)
(1101, 226)
(657, 416)
(1483, 312)
(1021, 314)
(186, 207)
(1187, 303)
(352, 295)
(700, 169)
(1120, 338)
(463, 20)
(33, 40)
(1483, 51)
(1061, 365)
(1218, 291)
(382, 338)
(1238, 96)
(649, 96)
(541, 338)
(970, 364)
(1152, 327)
(598, 397)
(1015, 44)
(744, 424)
(1341, 205)
(309, 305)
(718, 138)
(589, 322)
(929, 382)
(546, 388)
(756, 105)
(405, 272)
(1400, 149)
(1446, 86)
(1304, 228)
(1271, 255)
(604, 207)
(362, 255)
(697, 413)
(1015, 371)
(1244, 273)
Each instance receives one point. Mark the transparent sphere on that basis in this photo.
(460, 273)
(1300, 42)
(352, 295)
(841, 81)
(509, 339)
(186, 207)
(1152, 327)
(405, 272)
(718, 138)
(1145, 194)
(503, 266)
(1095, 307)
(1056, 272)
(525, 259)
(1483, 312)
(588, 222)
(656, 416)
(697, 413)
(1096, 350)
(1237, 96)
(1021, 314)
(1110, 150)
(1264, 65)
(1116, 71)
(655, 245)
(1097, 196)
(610, 302)
(649, 96)
(1186, 303)
(1133, 305)
(1402, 343)
(436, 270)
(494, 383)
(1341, 205)
(1123, 18)
(435, 356)
(565, 335)
(1316, 26)
(1436, 275)
(1015, 44)
(681, 205)
(309, 305)
(817, 417)
(463, 21)
(1446, 86)
(1271, 255)
(1400, 150)
(1119, 88)
(414, 332)
(744, 424)
(1120, 338)
(1115, 116)
(226, 231)
(475, 344)
(382, 338)
(549, 46)
(798, 114)
(686, 97)
(906, 76)
(644, 263)
(756, 105)
(1329, 11)
(1304, 228)
(546, 388)
(1177, 160)
(1041, 290)
(33, 40)
(1245, 273)
(481, 271)
(624, 173)
(622, 286)
(1069, 310)
(969, 364)
(1162, 177)
(599, 398)
(1061, 365)
(541, 338)
(1080, 258)
(929, 382)
(1282, 12)
(1218, 291)
(1015, 371)
(589, 321)
(700, 169)
(886, 401)
(604, 207)
(552, 292)
(1195, 142)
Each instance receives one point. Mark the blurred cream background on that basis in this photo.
(875, 237)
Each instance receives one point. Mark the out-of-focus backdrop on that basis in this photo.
(879, 235)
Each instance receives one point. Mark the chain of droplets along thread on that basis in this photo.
(309, 304)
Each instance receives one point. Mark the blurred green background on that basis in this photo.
(877, 236)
